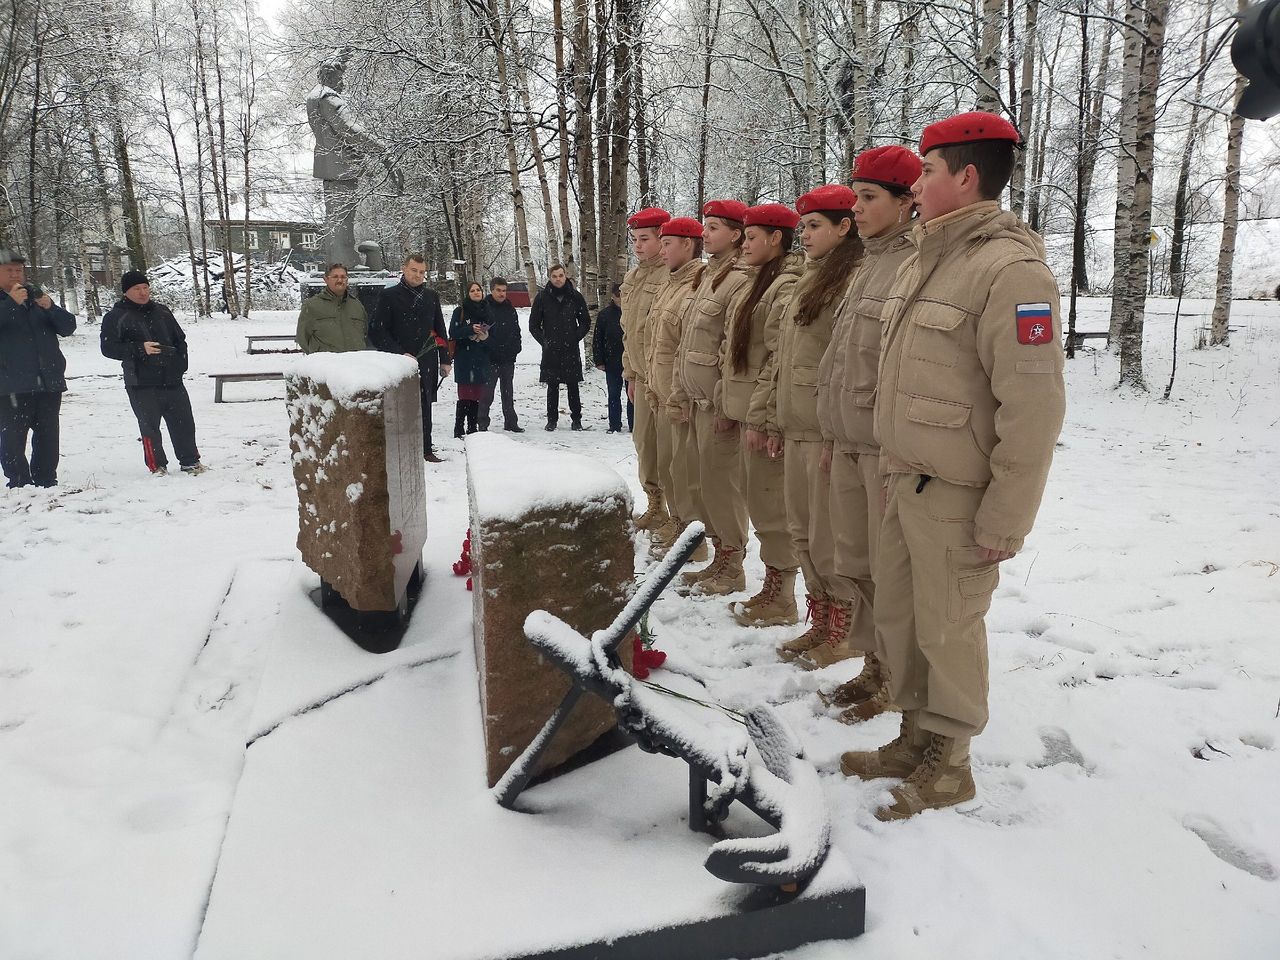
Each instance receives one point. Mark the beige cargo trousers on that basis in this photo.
(932, 595)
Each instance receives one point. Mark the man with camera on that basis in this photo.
(145, 337)
(31, 376)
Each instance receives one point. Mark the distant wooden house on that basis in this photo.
(273, 240)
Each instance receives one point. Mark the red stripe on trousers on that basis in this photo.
(149, 454)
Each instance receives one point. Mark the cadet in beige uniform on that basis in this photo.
(882, 179)
(681, 250)
(832, 250)
(968, 408)
(711, 456)
(639, 287)
(747, 358)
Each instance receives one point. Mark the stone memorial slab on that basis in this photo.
(549, 531)
(355, 434)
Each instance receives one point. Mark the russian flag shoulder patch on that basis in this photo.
(1034, 323)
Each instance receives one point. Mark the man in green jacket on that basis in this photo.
(333, 321)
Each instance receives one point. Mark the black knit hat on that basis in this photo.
(132, 278)
(11, 256)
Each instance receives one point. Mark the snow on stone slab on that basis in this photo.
(511, 479)
(364, 829)
(352, 374)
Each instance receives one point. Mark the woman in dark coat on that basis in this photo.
(559, 321)
(472, 368)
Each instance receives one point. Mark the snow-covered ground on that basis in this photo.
(150, 626)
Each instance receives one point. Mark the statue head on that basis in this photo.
(333, 70)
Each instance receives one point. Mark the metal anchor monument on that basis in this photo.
(782, 788)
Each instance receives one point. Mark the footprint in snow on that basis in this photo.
(1060, 748)
(1228, 850)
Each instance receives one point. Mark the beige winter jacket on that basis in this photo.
(970, 376)
(639, 287)
(665, 326)
(744, 395)
(847, 374)
(698, 357)
(794, 400)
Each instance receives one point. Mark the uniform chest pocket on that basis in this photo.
(938, 331)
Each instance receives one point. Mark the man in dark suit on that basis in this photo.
(504, 347)
(408, 320)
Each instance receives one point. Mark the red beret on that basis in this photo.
(771, 215)
(682, 227)
(834, 196)
(648, 217)
(891, 166)
(967, 128)
(725, 209)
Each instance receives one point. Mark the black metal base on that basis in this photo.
(766, 922)
(377, 631)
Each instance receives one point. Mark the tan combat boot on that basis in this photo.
(862, 687)
(876, 704)
(943, 779)
(654, 516)
(728, 577)
(819, 612)
(836, 647)
(664, 535)
(774, 605)
(897, 758)
(692, 577)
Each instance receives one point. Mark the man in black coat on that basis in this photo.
(606, 354)
(504, 347)
(559, 321)
(31, 376)
(145, 337)
(408, 320)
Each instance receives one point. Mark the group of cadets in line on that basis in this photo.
(881, 410)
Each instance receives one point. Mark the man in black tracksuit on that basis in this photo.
(31, 375)
(145, 337)
(504, 347)
(408, 320)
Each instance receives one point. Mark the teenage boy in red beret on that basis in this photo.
(969, 405)
(639, 287)
(681, 252)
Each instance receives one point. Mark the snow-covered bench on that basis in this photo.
(220, 378)
(288, 340)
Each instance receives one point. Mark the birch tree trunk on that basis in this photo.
(1182, 196)
(710, 28)
(620, 137)
(167, 120)
(1126, 170)
(988, 81)
(495, 33)
(1219, 328)
(1017, 186)
(604, 157)
(229, 277)
(642, 128)
(1093, 126)
(584, 148)
(1138, 266)
(909, 25)
(539, 157)
(812, 108)
(562, 130)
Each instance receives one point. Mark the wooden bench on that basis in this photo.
(1080, 336)
(220, 378)
(272, 338)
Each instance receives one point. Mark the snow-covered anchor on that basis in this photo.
(782, 787)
